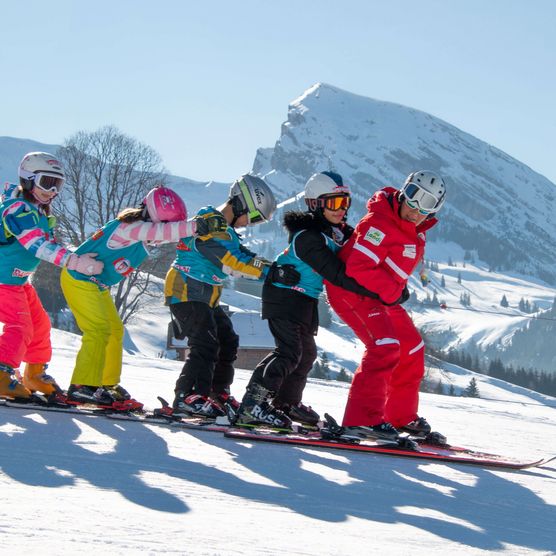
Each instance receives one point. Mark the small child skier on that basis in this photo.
(26, 238)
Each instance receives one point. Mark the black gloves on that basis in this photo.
(401, 300)
(283, 274)
(403, 297)
(210, 224)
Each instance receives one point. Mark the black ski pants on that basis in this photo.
(212, 346)
(284, 371)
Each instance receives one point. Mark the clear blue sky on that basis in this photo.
(206, 83)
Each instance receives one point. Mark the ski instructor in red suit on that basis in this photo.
(385, 248)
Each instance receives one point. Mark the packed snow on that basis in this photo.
(72, 484)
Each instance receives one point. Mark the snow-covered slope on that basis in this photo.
(82, 485)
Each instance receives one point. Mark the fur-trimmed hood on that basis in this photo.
(295, 221)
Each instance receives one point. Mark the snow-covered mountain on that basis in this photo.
(496, 206)
(496, 233)
(12, 150)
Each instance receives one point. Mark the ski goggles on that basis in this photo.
(418, 198)
(338, 202)
(51, 183)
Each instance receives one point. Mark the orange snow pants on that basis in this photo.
(385, 386)
(26, 335)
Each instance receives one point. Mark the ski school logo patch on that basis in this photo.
(374, 236)
(410, 251)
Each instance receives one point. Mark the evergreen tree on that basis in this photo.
(459, 277)
(504, 301)
(316, 371)
(442, 282)
(343, 376)
(472, 390)
(439, 388)
(324, 363)
(452, 390)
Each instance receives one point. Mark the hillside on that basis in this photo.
(82, 484)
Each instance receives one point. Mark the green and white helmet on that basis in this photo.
(251, 195)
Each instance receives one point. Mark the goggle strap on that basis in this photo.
(252, 212)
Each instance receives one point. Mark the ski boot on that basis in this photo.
(382, 431)
(300, 413)
(256, 409)
(35, 379)
(83, 394)
(418, 427)
(196, 405)
(122, 398)
(228, 403)
(10, 387)
(118, 392)
(422, 431)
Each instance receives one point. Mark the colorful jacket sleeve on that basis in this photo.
(160, 232)
(21, 219)
(10, 191)
(235, 260)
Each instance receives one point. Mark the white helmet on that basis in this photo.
(42, 170)
(251, 195)
(424, 190)
(325, 184)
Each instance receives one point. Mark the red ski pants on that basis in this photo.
(385, 386)
(26, 335)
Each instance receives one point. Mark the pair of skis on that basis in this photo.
(330, 436)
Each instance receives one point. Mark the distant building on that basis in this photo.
(255, 339)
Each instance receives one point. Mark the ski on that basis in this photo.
(332, 437)
(327, 438)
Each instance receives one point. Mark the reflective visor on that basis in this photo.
(419, 198)
(49, 182)
(339, 202)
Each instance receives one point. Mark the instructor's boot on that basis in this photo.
(36, 380)
(10, 387)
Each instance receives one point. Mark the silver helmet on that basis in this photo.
(251, 195)
(424, 190)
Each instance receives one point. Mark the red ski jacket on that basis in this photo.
(384, 249)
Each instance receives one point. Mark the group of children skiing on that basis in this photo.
(365, 271)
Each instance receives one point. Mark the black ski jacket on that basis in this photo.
(311, 248)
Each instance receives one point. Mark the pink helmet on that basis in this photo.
(164, 205)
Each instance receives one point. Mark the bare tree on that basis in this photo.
(107, 171)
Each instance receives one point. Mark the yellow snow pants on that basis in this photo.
(99, 361)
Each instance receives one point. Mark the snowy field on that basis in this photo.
(91, 485)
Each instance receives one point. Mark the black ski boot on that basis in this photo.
(382, 431)
(256, 409)
(197, 405)
(418, 427)
(301, 413)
